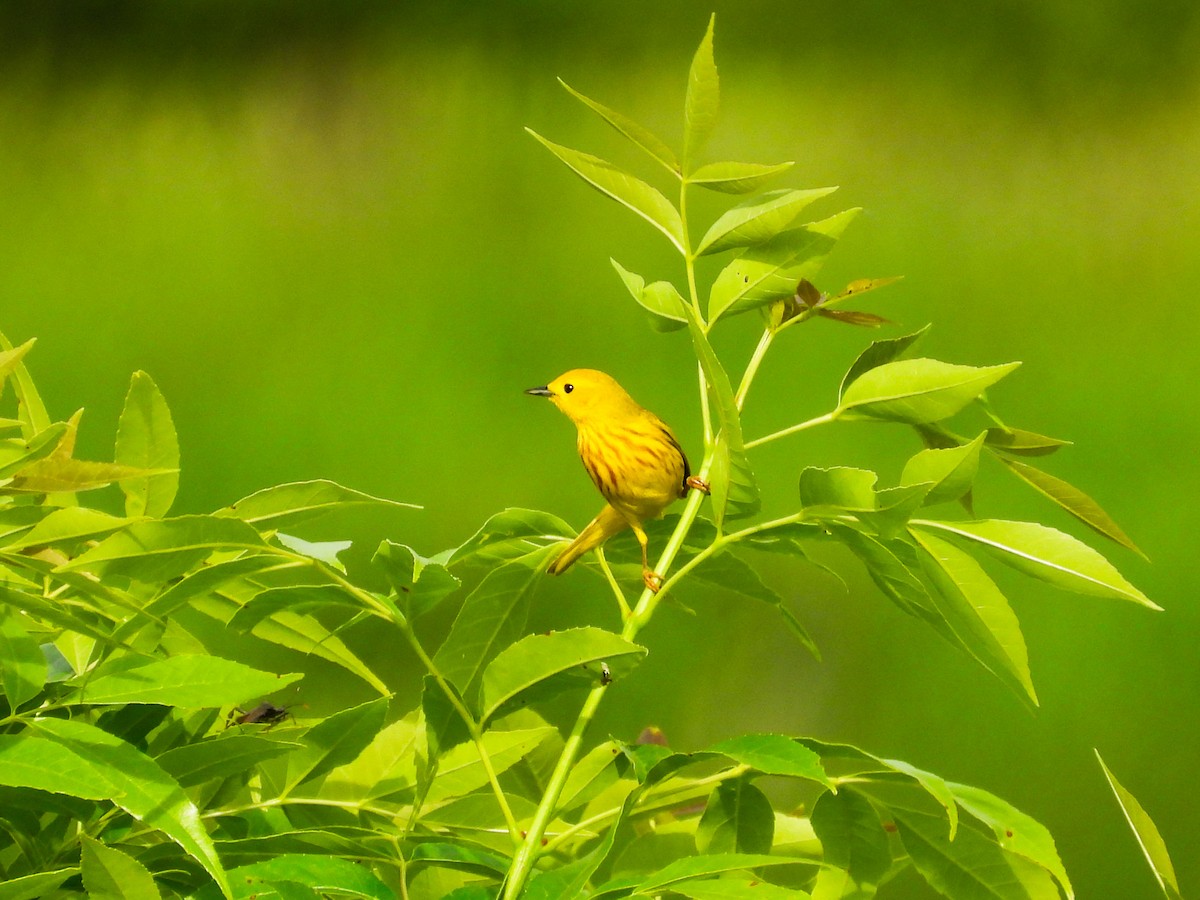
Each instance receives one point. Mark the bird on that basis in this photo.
(630, 454)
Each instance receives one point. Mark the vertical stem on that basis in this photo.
(764, 344)
(689, 263)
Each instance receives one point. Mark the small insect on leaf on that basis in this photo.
(605, 674)
(266, 713)
(807, 293)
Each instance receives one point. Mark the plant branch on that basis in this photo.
(776, 435)
(760, 352)
(612, 582)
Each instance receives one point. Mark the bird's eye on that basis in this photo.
(567, 388)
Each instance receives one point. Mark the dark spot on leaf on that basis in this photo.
(889, 827)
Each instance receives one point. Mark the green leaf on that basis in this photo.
(18, 454)
(935, 787)
(286, 505)
(322, 551)
(775, 754)
(734, 491)
(36, 886)
(1147, 834)
(841, 487)
(491, 618)
(30, 408)
(735, 177)
(918, 390)
(295, 598)
(107, 872)
(69, 525)
(458, 856)
(891, 574)
(703, 100)
(771, 270)
(736, 889)
(306, 634)
(35, 762)
(386, 766)
(509, 535)
(11, 358)
(715, 864)
(977, 612)
(420, 584)
(324, 874)
(856, 852)
(1074, 501)
(632, 193)
(1048, 555)
(758, 219)
(1014, 830)
(161, 549)
(661, 299)
(950, 471)
(444, 725)
(737, 819)
(596, 772)
(335, 741)
(185, 680)
(206, 580)
(571, 879)
(146, 440)
(1023, 443)
(640, 136)
(22, 665)
(461, 772)
(219, 756)
(540, 665)
(141, 787)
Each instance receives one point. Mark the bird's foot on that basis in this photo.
(652, 579)
(695, 482)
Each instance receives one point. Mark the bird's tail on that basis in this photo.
(599, 530)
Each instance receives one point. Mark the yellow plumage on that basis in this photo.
(631, 456)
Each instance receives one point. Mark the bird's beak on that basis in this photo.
(540, 392)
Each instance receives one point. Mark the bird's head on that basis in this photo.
(588, 396)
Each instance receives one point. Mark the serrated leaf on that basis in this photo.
(1023, 443)
(950, 471)
(660, 299)
(22, 665)
(335, 741)
(37, 885)
(774, 754)
(540, 665)
(323, 874)
(854, 844)
(571, 879)
(35, 762)
(508, 535)
(711, 864)
(918, 390)
(141, 787)
(703, 100)
(758, 219)
(891, 574)
(735, 177)
(11, 358)
(59, 474)
(420, 584)
(1048, 555)
(461, 771)
(639, 135)
(146, 439)
(597, 771)
(840, 488)
(977, 612)
(733, 888)
(459, 856)
(306, 634)
(1074, 501)
(1148, 837)
(107, 872)
(738, 818)
(771, 270)
(286, 505)
(327, 552)
(386, 766)
(632, 193)
(17, 454)
(184, 680)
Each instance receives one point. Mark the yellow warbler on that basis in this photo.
(631, 456)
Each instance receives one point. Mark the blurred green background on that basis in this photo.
(322, 230)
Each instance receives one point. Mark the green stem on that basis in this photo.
(776, 435)
(689, 264)
(612, 583)
(764, 344)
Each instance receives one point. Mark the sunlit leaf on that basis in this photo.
(22, 665)
(660, 299)
(636, 133)
(1023, 443)
(703, 99)
(31, 410)
(286, 505)
(69, 525)
(774, 754)
(146, 440)
(141, 787)
(335, 741)
(918, 390)
(107, 872)
(36, 886)
(183, 680)
(771, 270)
(540, 665)
(840, 488)
(36, 762)
(323, 874)
(630, 192)
(735, 177)
(219, 756)
(461, 771)
(950, 471)
(758, 219)
(508, 535)
(712, 864)
(733, 888)
(1074, 501)
(1147, 834)
(1047, 554)
(978, 613)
